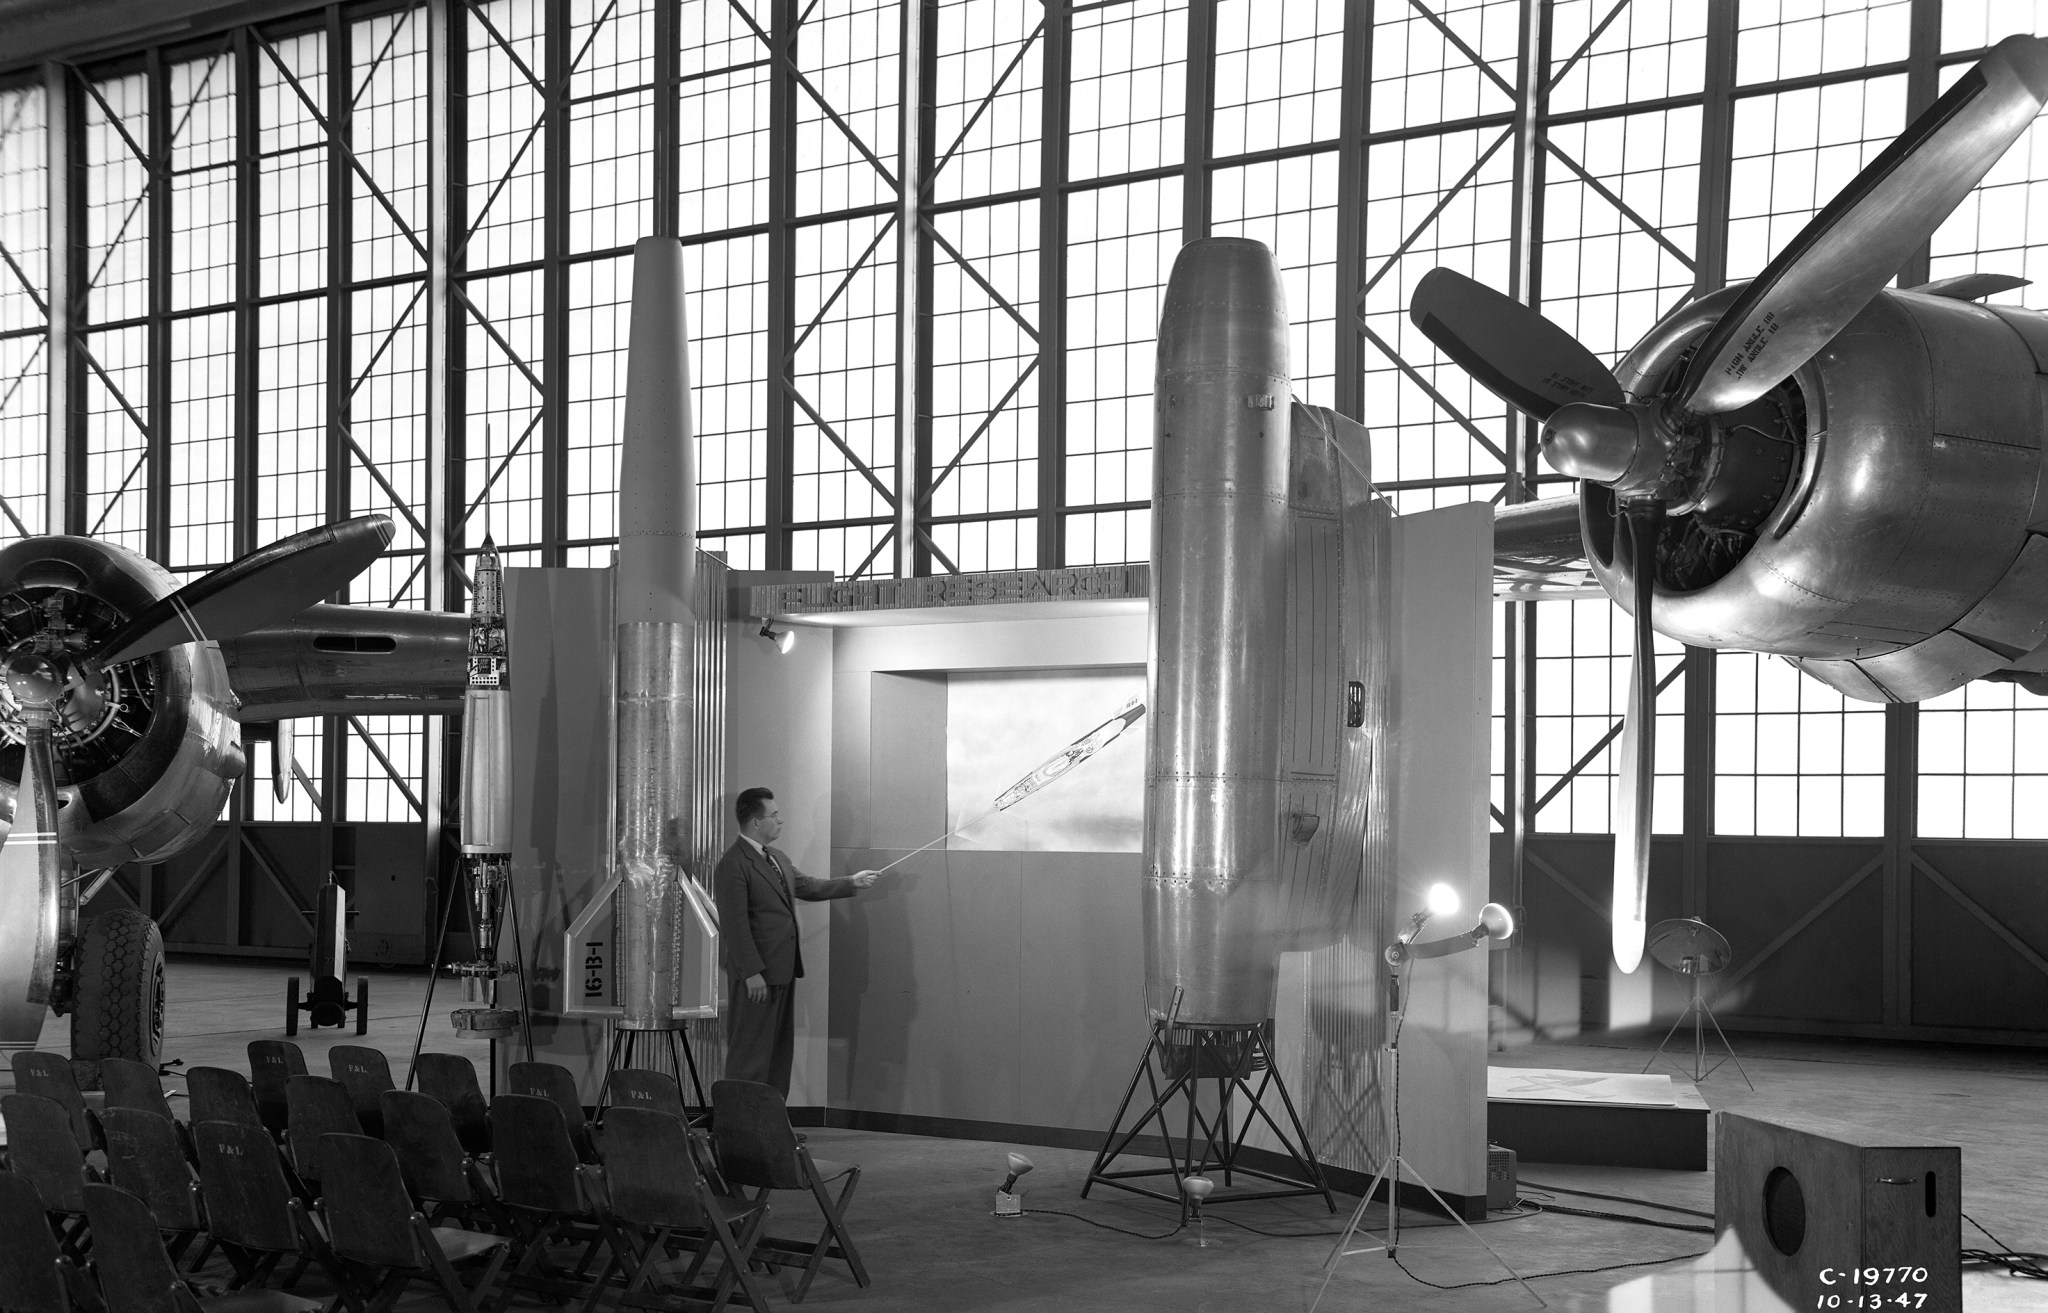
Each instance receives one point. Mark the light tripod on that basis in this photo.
(1702, 1016)
(1496, 923)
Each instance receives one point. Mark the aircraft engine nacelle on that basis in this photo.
(148, 750)
(1869, 516)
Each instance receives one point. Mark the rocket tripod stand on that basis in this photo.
(1176, 1062)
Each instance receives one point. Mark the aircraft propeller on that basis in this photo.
(262, 588)
(1644, 448)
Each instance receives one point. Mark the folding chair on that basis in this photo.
(146, 1157)
(654, 1192)
(450, 1079)
(317, 1106)
(136, 1275)
(544, 1191)
(134, 1085)
(42, 1146)
(220, 1095)
(254, 1213)
(51, 1075)
(271, 1063)
(35, 1277)
(367, 1074)
(430, 1157)
(375, 1228)
(557, 1084)
(759, 1150)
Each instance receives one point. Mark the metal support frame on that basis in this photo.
(1175, 1062)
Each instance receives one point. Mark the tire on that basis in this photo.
(291, 1007)
(362, 1005)
(120, 1011)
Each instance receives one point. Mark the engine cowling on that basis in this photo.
(148, 750)
(1869, 517)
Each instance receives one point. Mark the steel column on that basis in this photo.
(917, 121)
(1197, 138)
(1052, 287)
(65, 431)
(781, 454)
(1352, 169)
(157, 336)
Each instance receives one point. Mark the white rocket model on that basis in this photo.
(486, 803)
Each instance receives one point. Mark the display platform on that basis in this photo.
(1596, 1118)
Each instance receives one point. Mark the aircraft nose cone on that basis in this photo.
(1590, 441)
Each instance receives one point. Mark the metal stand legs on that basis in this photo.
(1702, 1016)
(1392, 1170)
(1176, 1060)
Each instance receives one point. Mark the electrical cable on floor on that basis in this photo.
(2015, 1262)
(1619, 1217)
(1139, 1235)
(1503, 1215)
(1537, 1276)
(1615, 1198)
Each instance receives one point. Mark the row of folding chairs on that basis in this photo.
(545, 1183)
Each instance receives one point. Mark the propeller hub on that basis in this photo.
(1586, 440)
(35, 683)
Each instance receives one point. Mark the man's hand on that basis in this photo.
(757, 988)
(864, 879)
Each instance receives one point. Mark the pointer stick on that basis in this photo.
(1080, 750)
(941, 839)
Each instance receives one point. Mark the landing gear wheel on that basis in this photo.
(362, 1005)
(291, 1007)
(120, 1008)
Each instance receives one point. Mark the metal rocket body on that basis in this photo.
(1266, 664)
(1219, 608)
(486, 813)
(653, 637)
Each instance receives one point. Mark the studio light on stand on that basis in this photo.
(1195, 1189)
(1008, 1202)
(1496, 923)
(781, 641)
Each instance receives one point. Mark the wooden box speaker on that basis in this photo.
(1848, 1219)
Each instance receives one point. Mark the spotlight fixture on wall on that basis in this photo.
(781, 641)
(1008, 1202)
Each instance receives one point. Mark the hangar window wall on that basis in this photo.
(377, 257)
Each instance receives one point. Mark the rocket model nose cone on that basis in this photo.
(1590, 441)
(1224, 307)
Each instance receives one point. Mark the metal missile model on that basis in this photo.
(486, 804)
(1261, 663)
(633, 968)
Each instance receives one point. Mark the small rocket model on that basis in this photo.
(486, 804)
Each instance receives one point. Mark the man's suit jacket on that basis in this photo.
(757, 932)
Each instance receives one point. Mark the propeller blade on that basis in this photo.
(1635, 780)
(268, 585)
(1512, 351)
(282, 762)
(1852, 248)
(31, 873)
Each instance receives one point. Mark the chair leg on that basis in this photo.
(736, 1254)
(835, 1230)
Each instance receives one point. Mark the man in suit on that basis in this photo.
(757, 885)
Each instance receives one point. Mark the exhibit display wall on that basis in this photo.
(1000, 993)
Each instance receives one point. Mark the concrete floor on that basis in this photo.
(923, 1220)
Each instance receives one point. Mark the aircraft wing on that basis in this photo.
(1538, 554)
